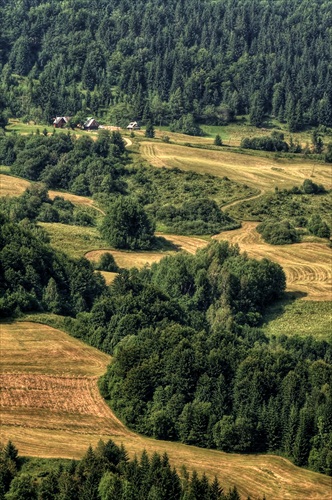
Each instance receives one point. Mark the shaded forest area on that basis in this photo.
(162, 61)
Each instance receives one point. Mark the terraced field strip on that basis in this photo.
(40, 349)
(54, 402)
(187, 243)
(12, 186)
(308, 266)
(56, 415)
(15, 186)
(261, 173)
(126, 259)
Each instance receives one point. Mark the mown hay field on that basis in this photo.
(307, 265)
(255, 171)
(15, 186)
(128, 259)
(52, 414)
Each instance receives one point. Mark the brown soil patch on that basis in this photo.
(308, 266)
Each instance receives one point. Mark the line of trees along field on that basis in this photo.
(165, 61)
(104, 473)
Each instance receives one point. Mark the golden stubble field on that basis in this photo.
(307, 265)
(15, 186)
(255, 171)
(51, 407)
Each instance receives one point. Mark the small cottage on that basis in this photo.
(91, 124)
(60, 121)
(133, 126)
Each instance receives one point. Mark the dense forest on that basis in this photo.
(203, 60)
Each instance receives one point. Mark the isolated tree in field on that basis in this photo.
(149, 131)
(217, 140)
(126, 225)
(328, 154)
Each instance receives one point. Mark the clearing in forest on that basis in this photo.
(51, 407)
(262, 173)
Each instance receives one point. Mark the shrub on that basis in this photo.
(278, 233)
(107, 263)
(318, 227)
(127, 225)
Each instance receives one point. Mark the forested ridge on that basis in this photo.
(162, 61)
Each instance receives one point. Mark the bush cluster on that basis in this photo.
(278, 233)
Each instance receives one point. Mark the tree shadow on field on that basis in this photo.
(277, 309)
(162, 244)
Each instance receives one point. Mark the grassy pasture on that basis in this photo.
(12, 186)
(297, 317)
(307, 265)
(75, 241)
(33, 348)
(233, 133)
(262, 173)
(56, 415)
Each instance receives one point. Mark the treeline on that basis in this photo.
(190, 363)
(275, 142)
(180, 201)
(34, 277)
(36, 205)
(208, 60)
(104, 473)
